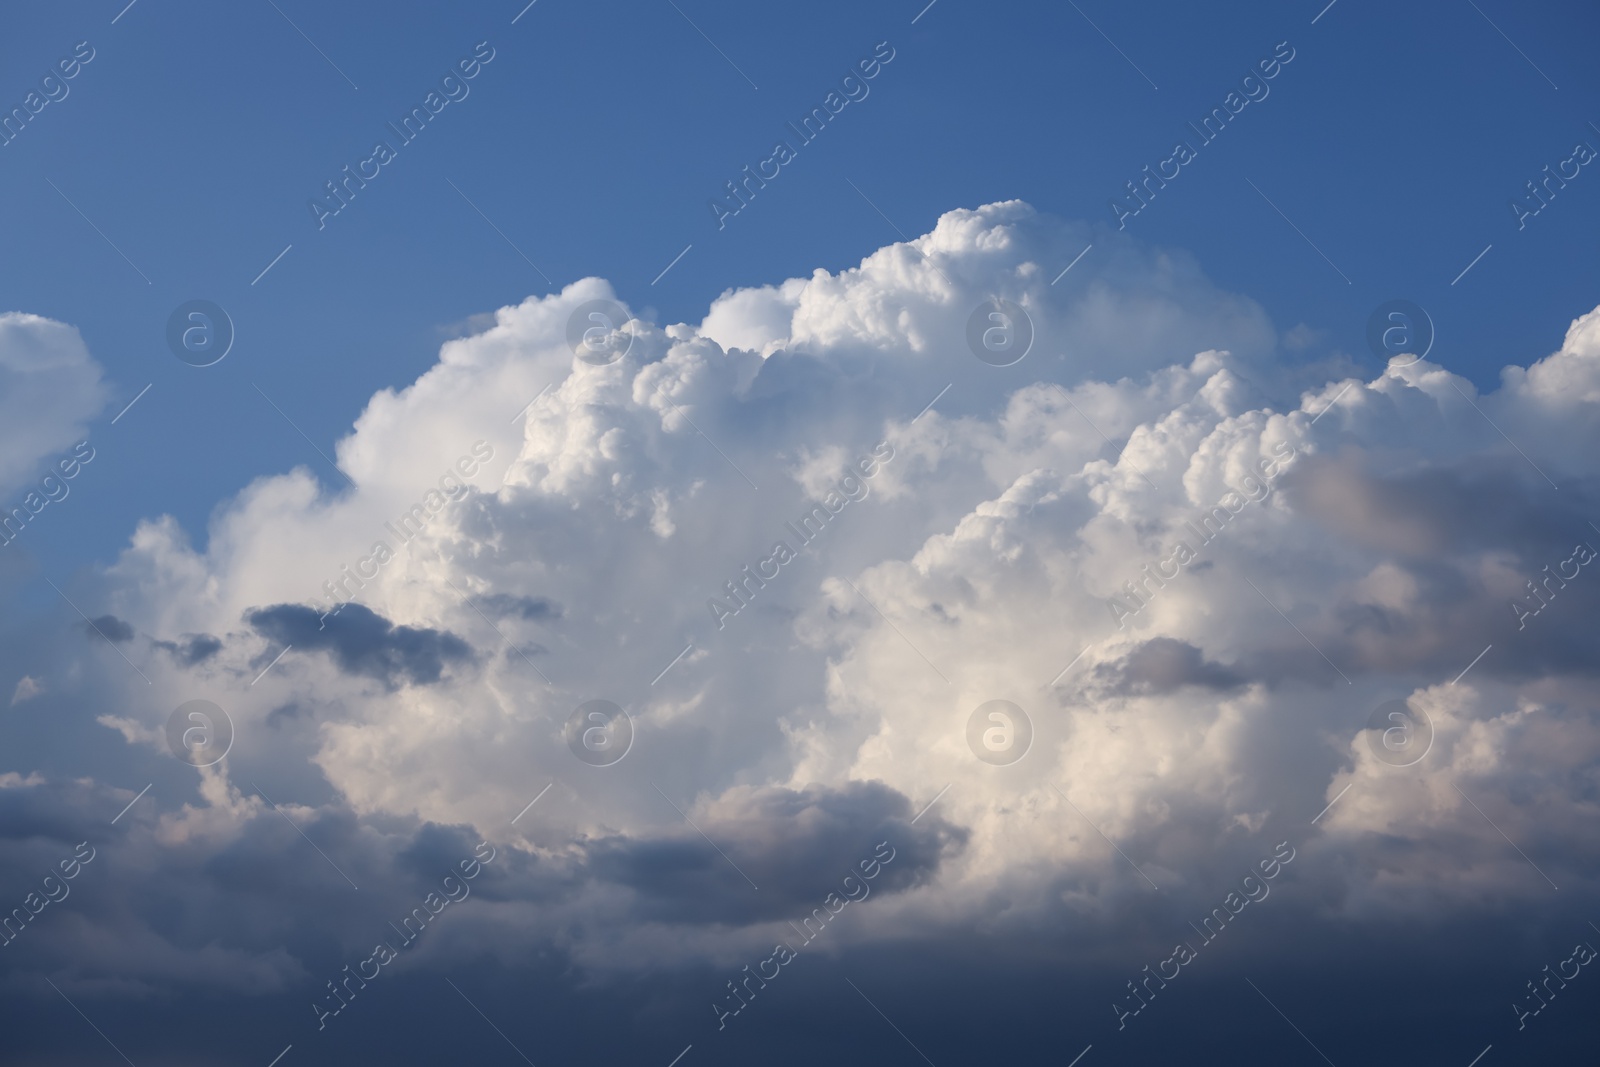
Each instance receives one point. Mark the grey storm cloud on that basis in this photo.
(1162, 665)
(532, 609)
(110, 627)
(363, 642)
(193, 649)
(1460, 543)
(1425, 511)
(794, 844)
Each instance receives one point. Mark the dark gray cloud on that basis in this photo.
(158, 954)
(284, 713)
(1162, 665)
(1444, 534)
(364, 642)
(111, 627)
(54, 813)
(797, 846)
(531, 608)
(192, 650)
(1424, 512)
(157, 923)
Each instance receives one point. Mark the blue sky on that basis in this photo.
(596, 138)
(408, 534)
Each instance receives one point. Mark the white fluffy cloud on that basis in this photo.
(49, 389)
(1386, 540)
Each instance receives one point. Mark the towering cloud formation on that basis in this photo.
(1382, 555)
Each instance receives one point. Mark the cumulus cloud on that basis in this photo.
(49, 389)
(1345, 543)
(27, 688)
(798, 844)
(111, 628)
(364, 642)
(192, 649)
